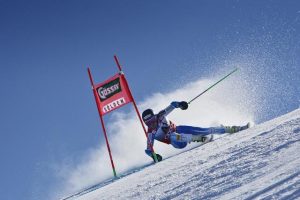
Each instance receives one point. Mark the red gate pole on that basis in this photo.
(102, 123)
(136, 109)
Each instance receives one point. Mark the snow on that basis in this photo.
(259, 163)
(126, 137)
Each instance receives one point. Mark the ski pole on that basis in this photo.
(212, 85)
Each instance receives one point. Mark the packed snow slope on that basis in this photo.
(262, 162)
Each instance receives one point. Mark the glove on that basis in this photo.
(149, 153)
(183, 105)
(159, 157)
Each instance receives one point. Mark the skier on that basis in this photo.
(163, 130)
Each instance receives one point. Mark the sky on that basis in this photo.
(49, 121)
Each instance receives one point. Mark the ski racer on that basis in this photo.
(163, 130)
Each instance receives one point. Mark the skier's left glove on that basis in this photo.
(183, 105)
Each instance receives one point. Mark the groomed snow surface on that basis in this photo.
(262, 162)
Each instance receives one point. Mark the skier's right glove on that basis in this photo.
(159, 157)
(149, 153)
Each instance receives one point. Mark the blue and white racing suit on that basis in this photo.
(163, 130)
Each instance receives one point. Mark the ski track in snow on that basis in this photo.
(259, 163)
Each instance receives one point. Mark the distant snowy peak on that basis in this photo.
(259, 163)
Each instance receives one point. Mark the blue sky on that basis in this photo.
(48, 112)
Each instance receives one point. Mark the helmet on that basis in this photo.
(147, 115)
(149, 118)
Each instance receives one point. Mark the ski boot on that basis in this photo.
(235, 129)
(202, 138)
